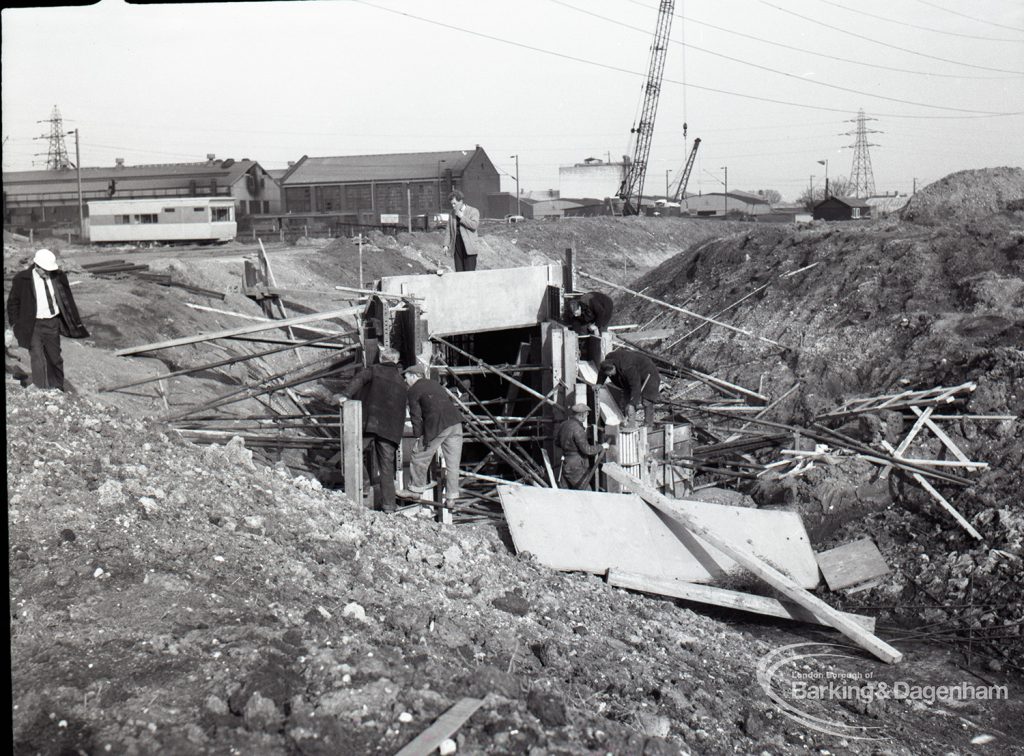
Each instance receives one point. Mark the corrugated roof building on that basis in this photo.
(842, 208)
(361, 188)
(44, 199)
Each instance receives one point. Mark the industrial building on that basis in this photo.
(382, 189)
(49, 199)
(720, 203)
(592, 179)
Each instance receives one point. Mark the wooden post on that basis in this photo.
(760, 568)
(352, 448)
(569, 271)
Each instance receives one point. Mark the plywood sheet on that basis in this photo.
(851, 564)
(592, 531)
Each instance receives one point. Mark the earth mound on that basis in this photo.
(967, 196)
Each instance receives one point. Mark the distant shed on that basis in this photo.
(842, 209)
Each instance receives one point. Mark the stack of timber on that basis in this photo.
(141, 270)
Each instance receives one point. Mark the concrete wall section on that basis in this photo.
(482, 300)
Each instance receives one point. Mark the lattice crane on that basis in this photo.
(680, 189)
(632, 188)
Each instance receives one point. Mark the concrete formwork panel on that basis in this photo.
(482, 300)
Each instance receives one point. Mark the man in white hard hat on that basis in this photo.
(40, 309)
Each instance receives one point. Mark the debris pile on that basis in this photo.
(967, 196)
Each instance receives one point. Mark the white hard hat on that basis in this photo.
(45, 259)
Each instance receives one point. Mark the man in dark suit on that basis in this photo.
(637, 377)
(40, 310)
(383, 393)
(463, 242)
(436, 424)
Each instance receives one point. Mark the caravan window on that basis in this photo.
(220, 213)
(122, 220)
(146, 218)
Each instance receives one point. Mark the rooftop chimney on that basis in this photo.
(291, 163)
(210, 157)
(119, 162)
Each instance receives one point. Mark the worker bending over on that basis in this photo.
(637, 377)
(591, 312)
(436, 424)
(572, 440)
(383, 393)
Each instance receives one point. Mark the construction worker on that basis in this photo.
(383, 393)
(637, 377)
(591, 312)
(436, 424)
(463, 242)
(571, 438)
(40, 310)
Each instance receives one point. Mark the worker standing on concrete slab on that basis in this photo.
(40, 310)
(571, 438)
(463, 242)
(383, 393)
(591, 312)
(637, 377)
(436, 424)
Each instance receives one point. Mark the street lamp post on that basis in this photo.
(518, 200)
(825, 163)
(666, 185)
(726, 169)
(78, 177)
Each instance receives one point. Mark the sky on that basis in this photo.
(771, 87)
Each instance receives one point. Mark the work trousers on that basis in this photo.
(463, 262)
(449, 441)
(574, 471)
(380, 457)
(44, 354)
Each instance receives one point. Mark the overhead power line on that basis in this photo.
(801, 79)
(688, 20)
(886, 44)
(671, 81)
(972, 18)
(916, 26)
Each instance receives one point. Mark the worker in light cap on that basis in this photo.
(571, 438)
(383, 393)
(41, 309)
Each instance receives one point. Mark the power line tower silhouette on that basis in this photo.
(57, 155)
(862, 179)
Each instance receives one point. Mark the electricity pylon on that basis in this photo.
(57, 155)
(862, 179)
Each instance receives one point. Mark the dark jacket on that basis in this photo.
(596, 308)
(431, 410)
(572, 439)
(21, 307)
(635, 374)
(382, 391)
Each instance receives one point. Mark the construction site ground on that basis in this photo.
(167, 597)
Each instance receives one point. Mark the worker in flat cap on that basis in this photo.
(436, 425)
(591, 312)
(383, 393)
(637, 377)
(571, 438)
(41, 309)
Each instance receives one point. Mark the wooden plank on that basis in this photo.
(638, 337)
(691, 313)
(256, 328)
(707, 594)
(759, 567)
(925, 416)
(594, 531)
(352, 448)
(443, 728)
(547, 466)
(851, 564)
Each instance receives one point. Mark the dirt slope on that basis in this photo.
(172, 599)
(966, 196)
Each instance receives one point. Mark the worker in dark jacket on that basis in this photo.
(40, 310)
(436, 424)
(637, 377)
(571, 438)
(383, 393)
(591, 312)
